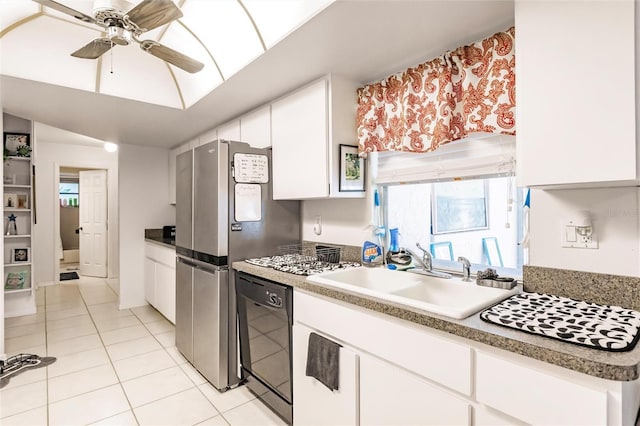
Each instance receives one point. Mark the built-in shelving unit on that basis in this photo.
(17, 202)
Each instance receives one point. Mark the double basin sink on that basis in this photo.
(452, 298)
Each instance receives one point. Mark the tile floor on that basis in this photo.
(114, 367)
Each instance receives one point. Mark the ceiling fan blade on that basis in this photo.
(65, 9)
(94, 49)
(169, 55)
(151, 14)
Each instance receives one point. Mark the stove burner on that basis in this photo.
(299, 264)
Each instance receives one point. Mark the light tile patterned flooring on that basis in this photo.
(114, 367)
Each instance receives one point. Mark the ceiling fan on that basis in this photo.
(122, 27)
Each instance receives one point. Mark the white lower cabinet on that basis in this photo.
(485, 416)
(550, 399)
(392, 396)
(160, 279)
(314, 403)
(166, 291)
(395, 372)
(150, 281)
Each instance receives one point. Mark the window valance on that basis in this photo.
(468, 90)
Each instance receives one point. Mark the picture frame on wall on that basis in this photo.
(17, 144)
(20, 255)
(352, 170)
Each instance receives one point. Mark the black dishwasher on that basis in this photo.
(265, 316)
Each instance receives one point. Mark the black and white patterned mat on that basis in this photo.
(609, 328)
(299, 264)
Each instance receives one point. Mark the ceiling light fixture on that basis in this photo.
(110, 147)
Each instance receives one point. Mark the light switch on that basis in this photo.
(571, 236)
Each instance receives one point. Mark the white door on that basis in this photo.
(93, 223)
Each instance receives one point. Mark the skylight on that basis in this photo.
(225, 35)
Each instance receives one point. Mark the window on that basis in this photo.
(480, 219)
(69, 194)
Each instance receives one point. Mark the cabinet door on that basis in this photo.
(173, 154)
(172, 175)
(229, 131)
(150, 281)
(315, 404)
(255, 128)
(392, 396)
(550, 398)
(576, 103)
(299, 140)
(486, 417)
(166, 291)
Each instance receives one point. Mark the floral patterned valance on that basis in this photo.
(471, 89)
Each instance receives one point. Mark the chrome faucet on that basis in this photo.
(466, 268)
(426, 263)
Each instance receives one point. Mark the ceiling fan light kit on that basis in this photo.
(122, 27)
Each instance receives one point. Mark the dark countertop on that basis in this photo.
(620, 366)
(167, 242)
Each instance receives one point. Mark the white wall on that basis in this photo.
(49, 157)
(343, 221)
(616, 221)
(144, 203)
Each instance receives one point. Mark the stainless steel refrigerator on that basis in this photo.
(224, 212)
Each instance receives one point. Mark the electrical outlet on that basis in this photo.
(571, 239)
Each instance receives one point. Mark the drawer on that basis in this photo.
(150, 250)
(535, 396)
(166, 256)
(160, 254)
(410, 346)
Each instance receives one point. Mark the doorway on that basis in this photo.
(82, 249)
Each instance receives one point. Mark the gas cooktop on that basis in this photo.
(299, 264)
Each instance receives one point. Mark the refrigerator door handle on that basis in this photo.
(185, 261)
(208, 269)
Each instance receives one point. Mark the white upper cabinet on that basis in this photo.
(299, 138)
(173, 154)
(208, 136)
(255, 127)
(307, 128)
(228, 131)
(576, 93)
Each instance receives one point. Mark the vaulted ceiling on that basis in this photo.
(253, 51)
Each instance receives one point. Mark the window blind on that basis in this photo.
(480, 155)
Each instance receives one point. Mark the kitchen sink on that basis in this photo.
(452, 298)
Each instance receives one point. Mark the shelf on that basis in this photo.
(13, 157)
(15, 209)
(18, 290)
(17, 237)
(11, 265)
(14, 186)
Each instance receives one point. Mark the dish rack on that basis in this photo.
(311, 253)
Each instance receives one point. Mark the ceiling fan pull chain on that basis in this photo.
(111, 57)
